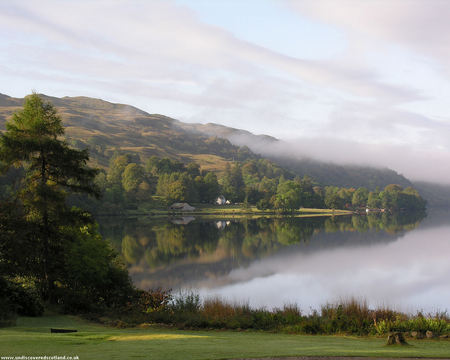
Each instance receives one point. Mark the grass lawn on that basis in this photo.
(238, 210)
(157, 208)
(32, 337)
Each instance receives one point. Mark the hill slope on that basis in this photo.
(105, 127)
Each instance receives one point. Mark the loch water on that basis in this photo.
(401, 261)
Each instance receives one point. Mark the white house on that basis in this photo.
(221, 200)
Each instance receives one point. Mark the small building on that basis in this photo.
(221, 200)
(221, 224)
(181, 207)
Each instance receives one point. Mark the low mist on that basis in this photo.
(416, 163)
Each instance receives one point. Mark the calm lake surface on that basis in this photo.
(401, 261)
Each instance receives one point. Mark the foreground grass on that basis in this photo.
(32, 336)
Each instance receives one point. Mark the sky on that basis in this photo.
(350, 81)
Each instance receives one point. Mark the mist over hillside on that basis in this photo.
(106, 128)
(295, 157)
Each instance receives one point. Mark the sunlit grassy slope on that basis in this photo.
(104, 128)
(32, 337)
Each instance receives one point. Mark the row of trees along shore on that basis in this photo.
(127, 183)
(52, 253)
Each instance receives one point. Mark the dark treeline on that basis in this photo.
(127, 184)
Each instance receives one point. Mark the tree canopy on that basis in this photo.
(42, 230)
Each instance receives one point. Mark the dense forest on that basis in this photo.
(162, 181)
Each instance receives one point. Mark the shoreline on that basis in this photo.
(233, 213)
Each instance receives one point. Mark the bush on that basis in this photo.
(219, 313)
(154, 300)
(8, 310)
(27, 298)
(18, 296)
(263, 319)
(349, 316)
(289, 315)
(309, 325)
(188, 302)
(422, 324)
(76, 302)
(95, 278)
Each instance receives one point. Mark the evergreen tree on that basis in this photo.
(33, 140)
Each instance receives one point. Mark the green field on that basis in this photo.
(235, 210)
(32, 337)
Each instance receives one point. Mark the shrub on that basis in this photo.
(383, 327)
(311, 325)
(437, 324)
(8, 310)
(94, 278)
(263, 319)
(219, 313)
(289, 315)
(186, 302)
(350, 316)
(24, 295)
(154, 300)
(216, 308)
(423, 324)
(18, 296)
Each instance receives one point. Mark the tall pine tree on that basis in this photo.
(33, 140)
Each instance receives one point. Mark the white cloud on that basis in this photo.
(422, 26)
(160, 41)
(159, 56)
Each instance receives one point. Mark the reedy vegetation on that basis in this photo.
(187, 310)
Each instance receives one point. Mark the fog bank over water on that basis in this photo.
(423, 163)
(409, 274)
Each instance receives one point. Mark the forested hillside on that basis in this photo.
(437, 195)
(107, 129)
(326, 173)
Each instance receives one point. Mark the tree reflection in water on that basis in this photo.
(182, 252)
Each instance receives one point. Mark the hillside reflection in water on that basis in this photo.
(392, 260)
